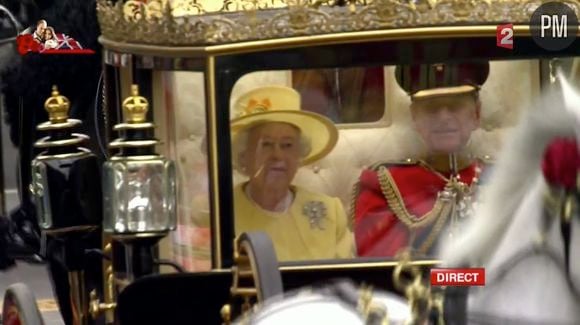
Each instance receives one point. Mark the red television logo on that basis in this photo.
(458, 277)
(504, 36)
(45, 40)
(66, 45)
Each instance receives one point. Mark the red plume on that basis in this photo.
(561, 163)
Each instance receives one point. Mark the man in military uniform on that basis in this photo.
(413, 203)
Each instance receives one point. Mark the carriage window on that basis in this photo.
(325, 191)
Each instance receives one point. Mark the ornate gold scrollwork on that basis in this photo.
(96, 307)
(244, 285)
(370, 310)
(453, 11)
(408, 279)
(226, 313)
(188, 22)
(386, 14)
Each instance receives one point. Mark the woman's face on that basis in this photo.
(47, 34)
(272, 155)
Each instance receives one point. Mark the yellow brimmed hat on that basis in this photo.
(282, 104)
(422, 81)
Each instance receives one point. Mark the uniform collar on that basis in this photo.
(442, 162)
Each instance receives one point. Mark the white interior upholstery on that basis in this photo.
(511, 86)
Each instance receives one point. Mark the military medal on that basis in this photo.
(465, 202)
(315, 211)
(466, 207)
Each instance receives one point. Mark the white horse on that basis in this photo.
(515, 238)
(337, 304)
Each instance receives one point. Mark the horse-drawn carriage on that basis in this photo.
(174, 74)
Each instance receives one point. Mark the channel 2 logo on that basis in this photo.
(504, 36)
(553, 26)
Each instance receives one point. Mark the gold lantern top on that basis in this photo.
(57, 107)
(211, 22)
(135, 107)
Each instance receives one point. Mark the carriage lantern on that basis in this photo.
(64, 174)
(65, 187)
(139, 191)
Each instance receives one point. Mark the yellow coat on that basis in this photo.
(291, 232)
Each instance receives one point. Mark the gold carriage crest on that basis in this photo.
(315, 211)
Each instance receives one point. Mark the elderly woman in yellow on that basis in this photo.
(271, 139)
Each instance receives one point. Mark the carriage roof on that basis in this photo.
(182, 27)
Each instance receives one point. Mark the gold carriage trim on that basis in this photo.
(193, 22)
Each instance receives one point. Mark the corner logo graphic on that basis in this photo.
(44, 40)
(504, 36)
(554, 26)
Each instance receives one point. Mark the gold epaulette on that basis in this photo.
(438, 215)
(355, 191)
(388, 163)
